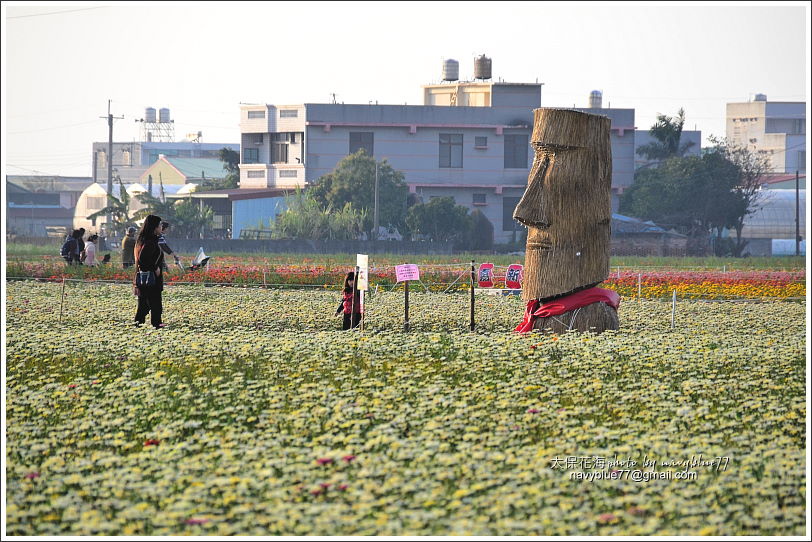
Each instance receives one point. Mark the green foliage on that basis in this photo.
(481, 231)
(353, 181)
(667, 131)
(306, 218)
(188, 218)
(439, 220)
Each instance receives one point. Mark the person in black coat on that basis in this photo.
(149, 257)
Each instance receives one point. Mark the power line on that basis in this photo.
(53, 13)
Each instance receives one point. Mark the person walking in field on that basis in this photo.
(165, 247)
(149, 259)
(128, 248)
(350, 303)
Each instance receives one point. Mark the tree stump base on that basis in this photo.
(597, 318)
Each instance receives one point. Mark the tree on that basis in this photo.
(119, 210)
(439, 220)
(188, 218)
(693, 195)
(231, 161)
(353, 181)
(747, 189)
(305, 218)
(667, 132)
(481, 231)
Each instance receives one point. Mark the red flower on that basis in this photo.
(343, 487)
(197, 521)
(348, 458)
(324, 460)
(71, 386)
(152, 442)
(324, 485)
(317, 491)
(606, 518)
(533, 411)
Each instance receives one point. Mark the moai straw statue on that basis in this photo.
(567, 210)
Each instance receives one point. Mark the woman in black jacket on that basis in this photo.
(149, 257)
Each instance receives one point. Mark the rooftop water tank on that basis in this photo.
(761, 97)
(482, 67)
(451, 70)
(149, 114)
(163, 115)
(595, 99)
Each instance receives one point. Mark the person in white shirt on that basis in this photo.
(90, 250)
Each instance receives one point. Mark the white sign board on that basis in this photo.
(407, 271)
(362, 261)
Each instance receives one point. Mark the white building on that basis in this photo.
(776, 130)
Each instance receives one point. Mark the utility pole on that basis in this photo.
(110, 118)
(375, 213)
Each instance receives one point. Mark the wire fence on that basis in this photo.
(433, 287)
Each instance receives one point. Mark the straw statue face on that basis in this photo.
(567, 204)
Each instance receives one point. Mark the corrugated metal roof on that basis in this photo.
(197, 168)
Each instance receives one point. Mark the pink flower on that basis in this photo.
(348, 458)
(324, 485)
(606, 518)
(32, 475)
(324, 460)
(343, 487)
(533, 411)
(196, 521)
(317, 491)
(71, 386)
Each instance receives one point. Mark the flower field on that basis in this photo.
(251, 414)
(694, 284)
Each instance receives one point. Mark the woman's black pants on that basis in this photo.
(149, 302)
(356, 320)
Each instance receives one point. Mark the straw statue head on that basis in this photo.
(567, 204)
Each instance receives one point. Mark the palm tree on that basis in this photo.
(667, 131)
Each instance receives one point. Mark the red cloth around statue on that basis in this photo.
(565, 304)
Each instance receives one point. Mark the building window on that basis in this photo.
(516, 151)
(288, 113)
(125, 158)
(250, 156)
(279, 153)
(479, 199)
(480, 142)
(101, 159)
(362, 140)
(287, 173)
(508, 206)
(450, 150)
(254, 174)
(256, 114)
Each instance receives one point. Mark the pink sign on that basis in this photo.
(407, 271)
(513, 277)
(486, 275)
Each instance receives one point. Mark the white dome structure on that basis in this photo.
(775, 216)
(94, 199)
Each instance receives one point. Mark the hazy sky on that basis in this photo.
(63, 61)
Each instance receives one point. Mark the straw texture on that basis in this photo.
(567, 204)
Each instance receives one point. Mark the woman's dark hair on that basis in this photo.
(347, 288)
(76, 234)
(92, 238)
(148, 229)
(165, 225)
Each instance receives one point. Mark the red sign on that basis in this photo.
(513, 277)
(486, 275)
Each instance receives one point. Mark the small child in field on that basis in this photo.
(350, 303)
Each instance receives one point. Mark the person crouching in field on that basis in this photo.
(350, 303)
(149, 258)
